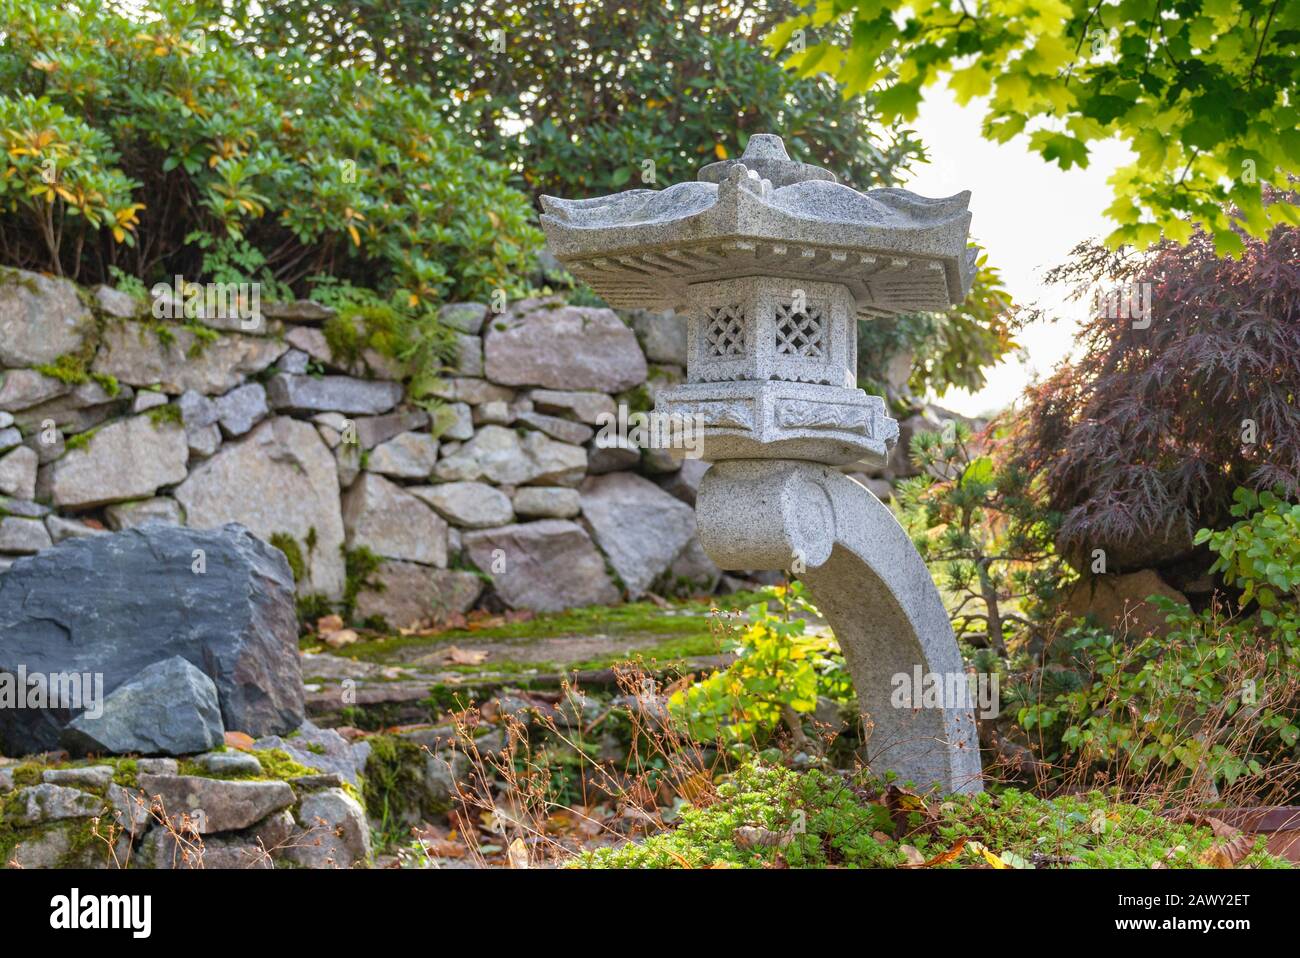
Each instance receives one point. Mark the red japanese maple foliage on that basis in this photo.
(1147, 434)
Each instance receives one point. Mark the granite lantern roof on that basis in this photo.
(765, 214)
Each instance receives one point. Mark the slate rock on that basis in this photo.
(60, 529)
(408, 455)
(19, 536)
(297, 311)
(90, 776)
(132, 353)
(115, 604)
(392, 523)
(230, 763)
(336, 833)
(465, 317)
(279, 479)
(128, 515)
(241, 409)
(168, 708)
(565, 430)
(320, 748)
(115, 303)
(662, 336)
(52, 803)
(500, 456)
(470, 505)
(128, 459)
(547, 502)
(217, 805)
(24, 388)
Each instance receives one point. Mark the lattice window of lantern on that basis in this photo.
(800, 333)
(724, 332)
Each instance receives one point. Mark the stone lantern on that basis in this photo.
(773, 262)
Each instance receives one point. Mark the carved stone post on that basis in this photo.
(773, 262)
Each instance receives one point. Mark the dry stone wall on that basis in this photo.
(496, 495)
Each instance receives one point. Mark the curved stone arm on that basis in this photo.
(874, 590)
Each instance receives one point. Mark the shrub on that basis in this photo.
(769, 817)
(1151, 430)
(578, 98)
(1214, 703)
(1260, 554)
(779, 673)
(176, 151)
(975, 521)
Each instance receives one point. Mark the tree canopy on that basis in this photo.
(1202, 91)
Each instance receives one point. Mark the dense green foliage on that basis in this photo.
(591, 100)
(143, 139)
(780, 671)
(1213, 700)
(578, 99)
(768, 816)
(1260, 554)
(1203, 91)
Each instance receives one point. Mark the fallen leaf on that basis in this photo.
(903, 804)
(696, 787)
(950, 855)
(440, 842)
(518, 854)
(1233, 844)
(239, 740)
(993, 860)
(1232, 847)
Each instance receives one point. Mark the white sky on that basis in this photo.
(1027, 214)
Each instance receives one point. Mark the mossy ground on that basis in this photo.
(692, 630)
(833, 820)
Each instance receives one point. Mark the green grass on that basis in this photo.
(845, 824)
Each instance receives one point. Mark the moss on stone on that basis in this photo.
(393, 788)
(292, 552)
(81, 440)
(359, 565)
(169, 413)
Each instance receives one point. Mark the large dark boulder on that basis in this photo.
(111, 605)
